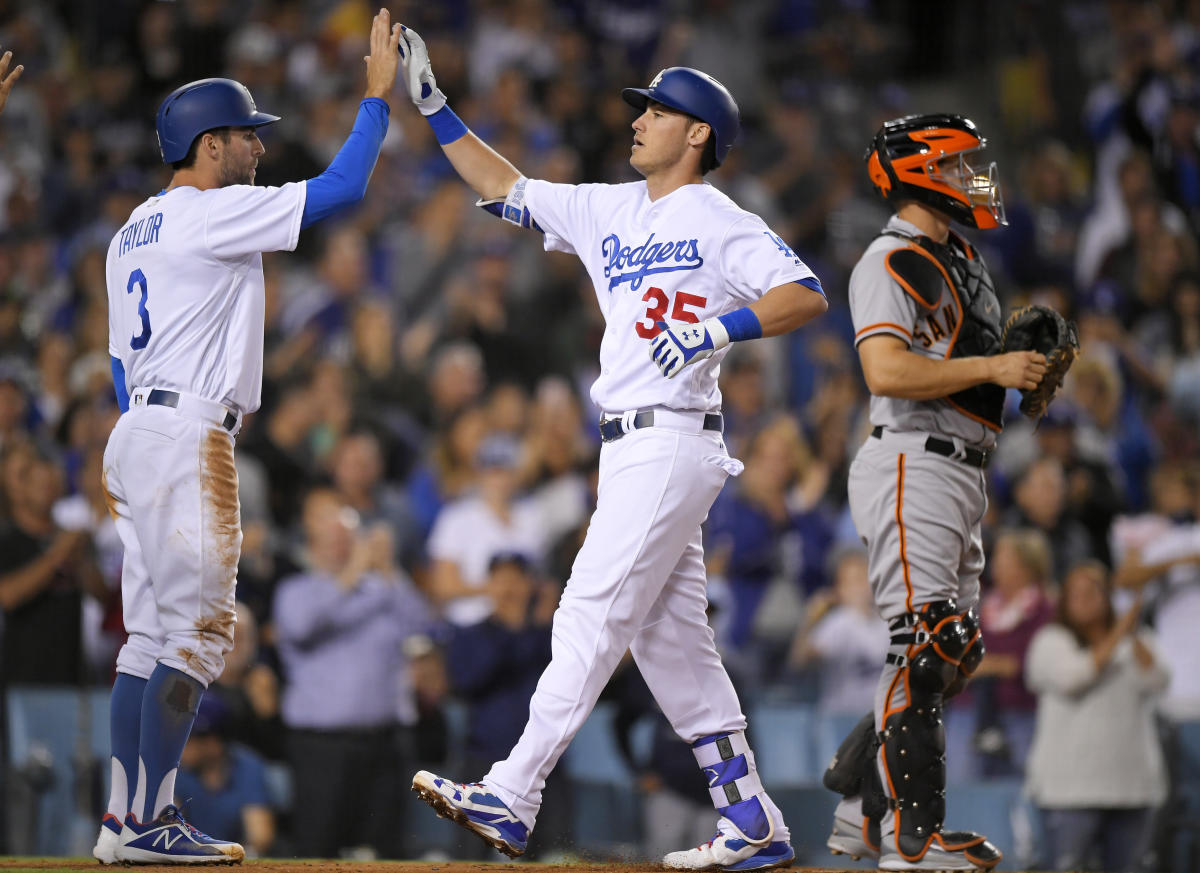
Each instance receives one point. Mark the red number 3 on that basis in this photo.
(647, 327)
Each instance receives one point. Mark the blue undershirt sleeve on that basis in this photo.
(118, 371)
(344, 182)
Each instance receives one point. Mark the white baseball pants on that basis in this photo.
(172, 491)
(637, 583)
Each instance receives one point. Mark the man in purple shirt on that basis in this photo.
(340, 628)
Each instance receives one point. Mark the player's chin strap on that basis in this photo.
(512, 208)
(734, 786)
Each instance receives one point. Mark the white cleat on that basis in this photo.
(105, 850)
(728, 851)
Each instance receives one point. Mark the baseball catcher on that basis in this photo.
(937, 358)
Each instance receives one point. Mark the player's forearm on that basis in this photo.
(344, 182)
(481, 167)
(910, 376)
(787, 307)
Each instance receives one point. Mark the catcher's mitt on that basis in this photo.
(1041, 329)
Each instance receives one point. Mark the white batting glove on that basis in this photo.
(681, 343)
(418, 73)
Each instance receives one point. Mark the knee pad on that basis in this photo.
(938, 640)
(734, 785)
(970, 660)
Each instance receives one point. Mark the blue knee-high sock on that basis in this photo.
(125, 728)
(168, 710)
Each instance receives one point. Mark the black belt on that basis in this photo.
(160, 397)
(974, 457)
(611, 429)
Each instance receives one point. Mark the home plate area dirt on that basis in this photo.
(293, 866)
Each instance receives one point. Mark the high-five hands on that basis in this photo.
(418, 73)
(7, 79)
(681, 343)
(384, 58)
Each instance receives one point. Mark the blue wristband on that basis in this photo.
(742, 324)
(447, 126)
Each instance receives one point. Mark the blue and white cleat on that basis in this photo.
(171, 840)
(476, 809)
(105, 850)
(728, 851)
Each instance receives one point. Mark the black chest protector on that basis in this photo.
(980, 331)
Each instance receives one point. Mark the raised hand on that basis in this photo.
(418, 73)
(384, 58)
(7, 79)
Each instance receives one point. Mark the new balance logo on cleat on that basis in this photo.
(476, 809)
(169, 839)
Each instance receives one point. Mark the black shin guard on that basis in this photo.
(936, 639)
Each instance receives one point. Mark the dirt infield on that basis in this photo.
(21, 865)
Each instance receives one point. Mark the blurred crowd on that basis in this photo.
(422, 469)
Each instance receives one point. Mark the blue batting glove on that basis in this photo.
(680, 343)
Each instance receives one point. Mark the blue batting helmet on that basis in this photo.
(200, 106)
(698, 94)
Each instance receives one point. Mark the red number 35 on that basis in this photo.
(647, 327)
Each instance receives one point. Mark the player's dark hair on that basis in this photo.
(189, 160)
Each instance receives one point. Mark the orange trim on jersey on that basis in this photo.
(909, 288)
(900, 523)
(888, 324)
(990, 425)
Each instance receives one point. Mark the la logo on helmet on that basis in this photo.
(657, 79)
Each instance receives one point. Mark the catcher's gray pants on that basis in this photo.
(919, 514)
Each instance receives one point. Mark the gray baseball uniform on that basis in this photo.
(919, 511)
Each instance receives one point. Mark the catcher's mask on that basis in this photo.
(924, 158)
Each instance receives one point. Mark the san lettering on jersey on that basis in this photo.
(928, 317)
(685, 257)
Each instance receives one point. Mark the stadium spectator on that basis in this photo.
(843, 636)
(1014, 607)
(1096, 767)
(494, 665)
(1040, 503)
(469, 531)
(340, 626)
(44, 572)
(1160, 558)
(222, 785)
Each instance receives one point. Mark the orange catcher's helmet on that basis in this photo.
(924, 158)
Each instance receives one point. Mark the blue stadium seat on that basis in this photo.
(606, 808)
(55, 725)
(781, 735)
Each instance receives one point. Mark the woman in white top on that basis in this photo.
(1096, 769)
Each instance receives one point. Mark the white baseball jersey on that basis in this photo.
(687, 256)
(185, 288)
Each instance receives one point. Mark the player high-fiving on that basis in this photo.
(186, 313)
(680, 272)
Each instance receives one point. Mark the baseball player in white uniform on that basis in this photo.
(680, 271)
(928, 330)
(186, 309)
